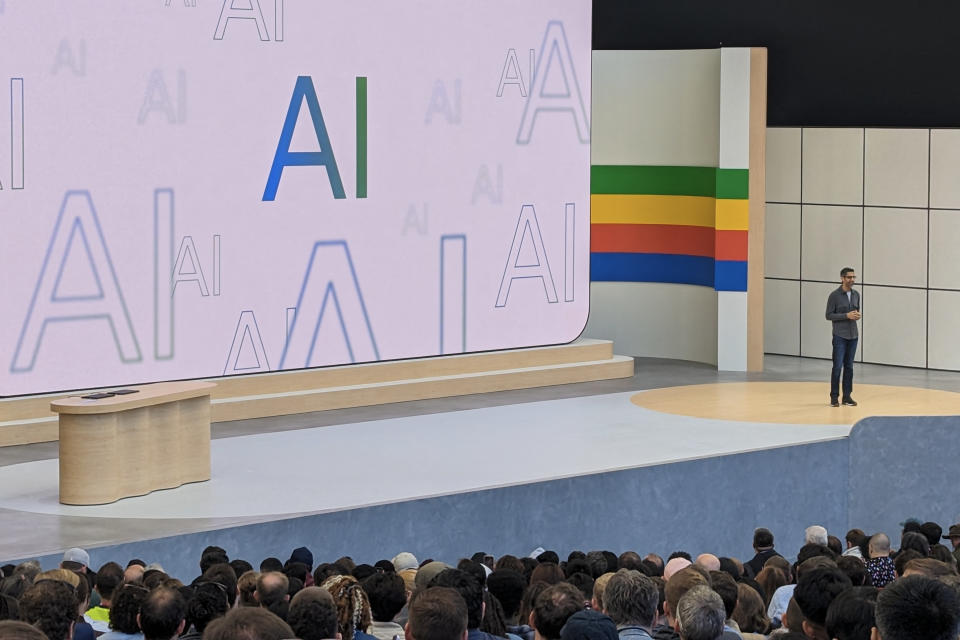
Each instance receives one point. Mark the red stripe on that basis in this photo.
(731, 245)
(652, 238)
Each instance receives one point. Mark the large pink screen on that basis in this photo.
(199, 188)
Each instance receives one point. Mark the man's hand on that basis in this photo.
(853, 315)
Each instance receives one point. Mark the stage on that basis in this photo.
(675, 444)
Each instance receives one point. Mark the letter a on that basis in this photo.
(527, 227)
(303, 90)
(253, 12)
(564, 92)
(83, 287)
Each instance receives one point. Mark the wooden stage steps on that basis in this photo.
(29, 419)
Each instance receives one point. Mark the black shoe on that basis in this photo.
(834, 402)
(849, 402)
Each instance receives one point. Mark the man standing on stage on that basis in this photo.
(843, 309)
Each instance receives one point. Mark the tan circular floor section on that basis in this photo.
(795, 402)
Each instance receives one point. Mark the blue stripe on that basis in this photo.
(651, 267)
(731, 275)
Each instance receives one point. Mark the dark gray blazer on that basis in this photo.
(837, 308)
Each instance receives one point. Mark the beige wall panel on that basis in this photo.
(944, 347)
(833, 166)
(832, 239)
(895, 247)
(895, 167)
(945, 168)
(782, 241)
(944, 240)
(894, 326)
(783, 164)
(781, 322)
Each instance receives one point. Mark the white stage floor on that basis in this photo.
(407, 458)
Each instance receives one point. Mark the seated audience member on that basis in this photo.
(750, 614)
(630, 599)
(726, 588)
(816, 589)
(599, 586)
(928, 567)
(917, 607)
(133, 574)
(770, 579)
(524, 630)
(438, 613)
(272, 593)
(730, 566)
(853, 539)
(903, 559)
(941, 553)
(222, 574)
(240, 567)
(162, 614)
(674, 565)
(916, 541)
(471, 591)
(508, 587)
(212, 555)
(708, 561)
(17, 630)
(248, 623)
(880, 566)
(553, 608)
(630, 560)
(313, 615)
(598, 563)
(700, 614)
(656, 562)
(9, 608)
(855, 569)
(851, 614)
(677, 585)
(247, 588)
(588, 625)
(763, 548)
(109, 578)
(207, 602)
(51, 606)
(303, 556)
(124, 609)
(387, 594)
(932, 532)
(547, 572)
(815, 534)
(353, 607)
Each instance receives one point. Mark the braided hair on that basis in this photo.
(353, 607)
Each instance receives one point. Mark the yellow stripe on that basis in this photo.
(733, 215)
(694, 211)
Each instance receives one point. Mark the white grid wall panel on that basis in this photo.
(945, 168)
(943, 349)
(833, 166)
(944, 238)
(895, 167)
(781, 321)
(782, 241)
(832, 239)
(894, 326)
(895, 246)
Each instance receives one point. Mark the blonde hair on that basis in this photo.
(60, 575)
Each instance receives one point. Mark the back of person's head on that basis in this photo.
(240, 567)
(508, 586)
(271, 564)
(552, 608)
(855, 569)
(247, 588)
(28, 569)
(851, 614)
(589, 625)
(630, 560)
(325, 570)
(548, 572)
(916, 541)
(779, 562)
(879, 544)
(212, 556)
(793, 617)
(932, 532)
(929, 567)
(207, 603)
(770, 579)
(854, 536)
(509, 562)
(762, 538)
(313, 614)
(834, 544)
(549, 556)
(125, 607)
(529, 599)
(750, 613)
(17, 630)
(51, 606)
(904, 558)
(224, 575)
(9, 608)
(469, 589)
(816, 589)
(387, 594)
(726, 588)
(301, 570)
(700, 614)
(162, 614)
(248, 623)
(597, 562)
(599, 588)
(814, 550)
(941, 553)
(474, 568)
(583, 582)
(438, 613)
(272, 588)
(917, 607)
(728, 566)
(353, 607)
(678, 584)
(61, 575)
(630, 598)
(109, 577)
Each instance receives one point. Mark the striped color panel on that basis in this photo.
(685, 225)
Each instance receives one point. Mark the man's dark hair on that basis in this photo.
(851, 614)
(384, 566)
(931, 568)
(223, 574)
(812, 550)
(631, 598)
(240, 567)
(845, 271)
(298, 570)
(598, 564)
(508, 587)
(469, 589)
(17, 630)
(326, 569)
(363, 571)
(630, 560)
(762, 538)
(855, 569)
(917, 607)
(207, 603)
(549, 556)
(475, 569)
(109, 577)
(136, 561)
(577, 565)
(932, 531)
(834, 544)
(611, 561)
(728, 566)
(271, 564)
(576, 555)
(51, 606)
(583, 582)
(387, 593)
(125, 606)
(726, 588)
(854, 536)
(161, 613)
(816, 589)
(554, 606)
(904, 557)
(916, 541)
(212, 556)
(680, 554)
(313, 614)
(248, 623)
(437, 613)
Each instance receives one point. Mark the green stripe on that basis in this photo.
(733, 184)
(361, 137)
(707, 182)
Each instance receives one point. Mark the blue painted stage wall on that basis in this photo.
(702, 505)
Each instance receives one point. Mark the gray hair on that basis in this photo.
(700, 614)
(815, 535)
(631, 598)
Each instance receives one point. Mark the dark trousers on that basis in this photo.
(844, 350)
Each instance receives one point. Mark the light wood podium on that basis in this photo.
(130, 445)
